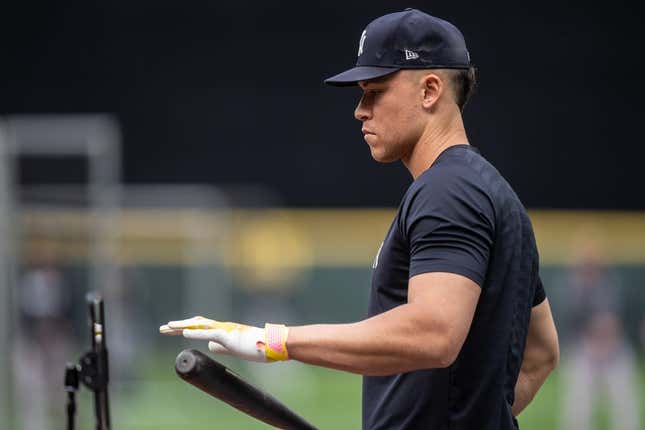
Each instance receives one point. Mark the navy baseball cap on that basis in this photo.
(410, 39)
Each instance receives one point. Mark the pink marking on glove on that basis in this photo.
(274, 337)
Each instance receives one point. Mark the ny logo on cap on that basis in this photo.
(362, 41)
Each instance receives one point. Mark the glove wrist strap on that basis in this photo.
(275, 340)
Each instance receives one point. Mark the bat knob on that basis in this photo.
(185, 362)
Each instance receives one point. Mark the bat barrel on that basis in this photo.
(220, 382)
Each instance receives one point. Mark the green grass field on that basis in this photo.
(328, 399)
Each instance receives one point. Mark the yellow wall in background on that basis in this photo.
(272, 239)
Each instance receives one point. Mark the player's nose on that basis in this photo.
(361, 112)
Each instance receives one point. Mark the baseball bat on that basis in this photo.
(220, 382)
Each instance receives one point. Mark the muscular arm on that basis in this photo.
(541, 355)
(426, 332)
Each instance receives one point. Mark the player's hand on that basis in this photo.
(263, 345)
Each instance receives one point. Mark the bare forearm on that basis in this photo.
(541, 356)
(386, 344)
(526, 388)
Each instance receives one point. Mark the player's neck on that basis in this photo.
(434, 140)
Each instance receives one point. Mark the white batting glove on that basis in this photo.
(263, 345)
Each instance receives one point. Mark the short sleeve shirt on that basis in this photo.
(459, 216)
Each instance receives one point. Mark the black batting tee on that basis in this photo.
(459, 216)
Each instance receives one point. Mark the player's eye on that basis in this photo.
(373, 93)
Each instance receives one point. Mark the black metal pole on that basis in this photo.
(103, 368)
(91, 303)
(71, 409)
(71, 386)
(99, 357)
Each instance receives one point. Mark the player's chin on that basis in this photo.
(381, 156)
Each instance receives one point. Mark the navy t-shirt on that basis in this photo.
(459, 216)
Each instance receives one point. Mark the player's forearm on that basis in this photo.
(528, 383)
(541, 356)
(525, 389)
(393, 342)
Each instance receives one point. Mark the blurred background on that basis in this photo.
(185, 158)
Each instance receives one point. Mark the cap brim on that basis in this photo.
(359, 73)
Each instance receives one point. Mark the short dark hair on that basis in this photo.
(463, 83)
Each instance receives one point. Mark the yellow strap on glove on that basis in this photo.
(275, 342)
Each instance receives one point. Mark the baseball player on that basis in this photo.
(459, 333)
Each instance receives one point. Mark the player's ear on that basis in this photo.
(433, 87)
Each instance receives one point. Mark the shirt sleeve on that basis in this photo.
(540, 294)
(450, 227)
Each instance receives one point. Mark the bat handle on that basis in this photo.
(215, 379)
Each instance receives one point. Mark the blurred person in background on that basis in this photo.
(459, 331)
(43, 343)
(599, 362)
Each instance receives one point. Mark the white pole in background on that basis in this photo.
(95, 137)
(6, 280)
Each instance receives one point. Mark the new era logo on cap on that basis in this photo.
(411, 55)
(410, 39)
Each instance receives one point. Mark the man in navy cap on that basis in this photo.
(459, 333)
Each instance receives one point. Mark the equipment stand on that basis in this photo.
(92, 369)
